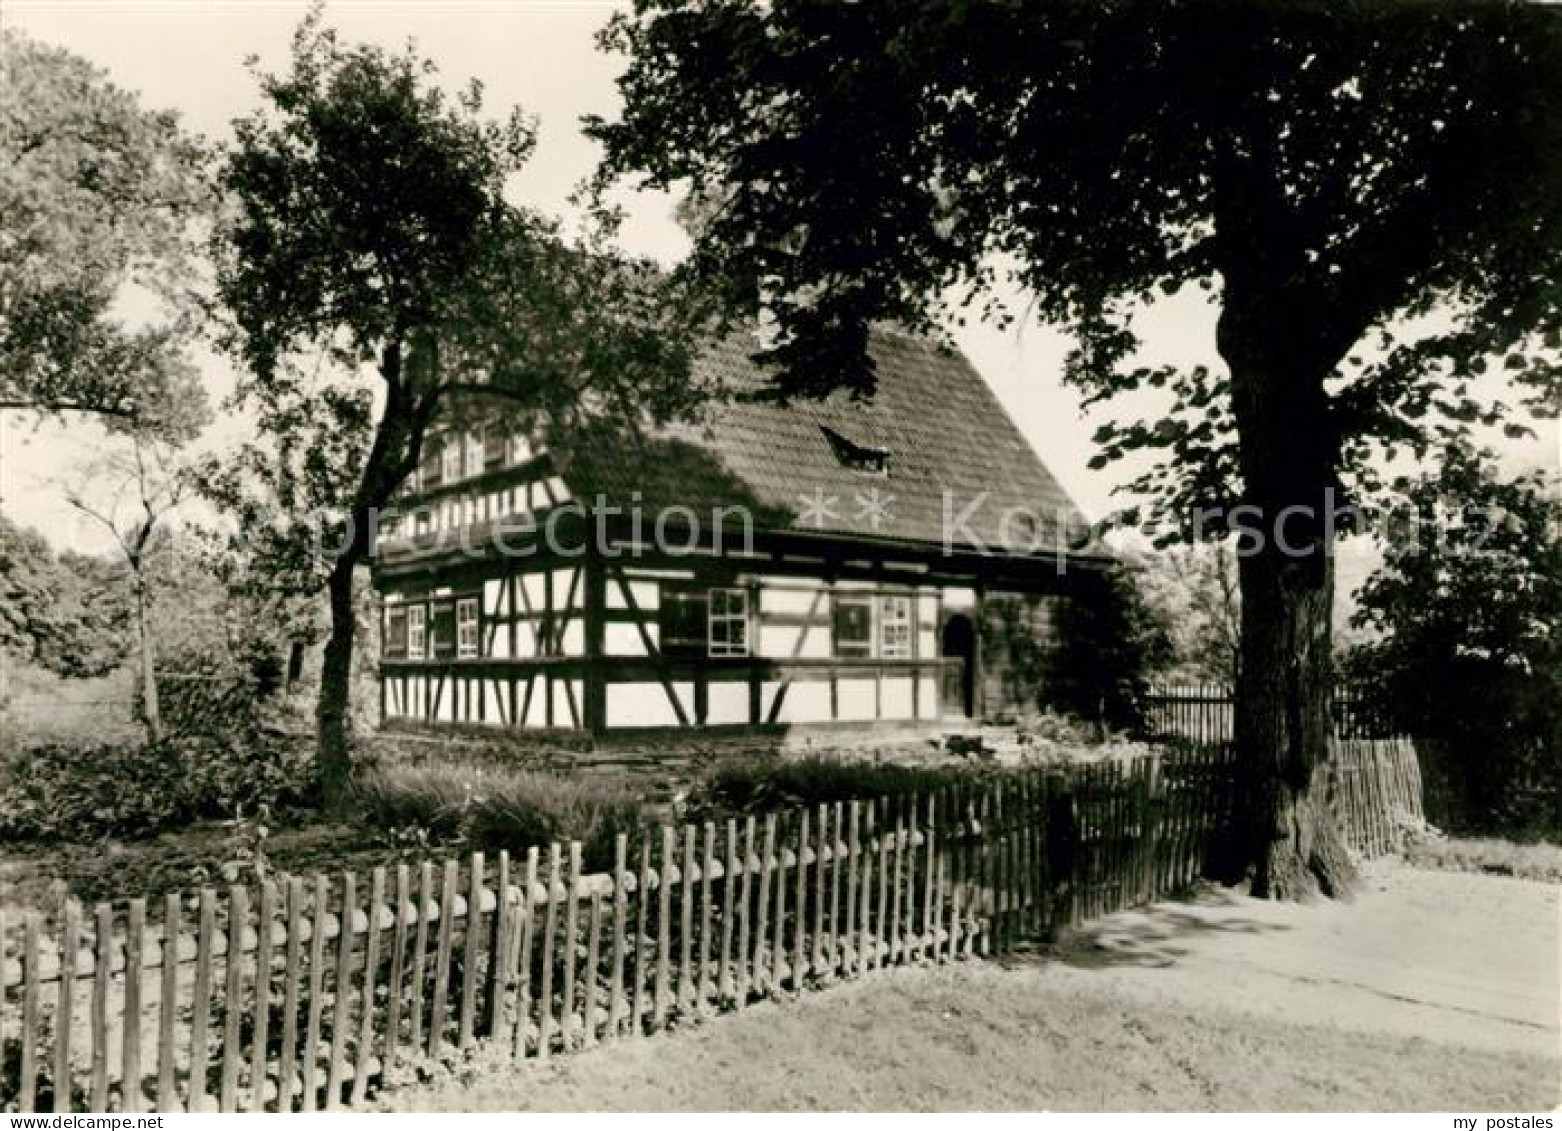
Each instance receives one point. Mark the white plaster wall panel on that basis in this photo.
(896, 698)
(563, 690)
(645, 704)
(807, 701)
(858, 699)
(525, 640)
(778, 640)
(419, 697)
(959, 598)
(927, 643)
(726, 702)
(537, 710)
(645, 594)
(560, 580)
(574, 641)
(499, 642)
(557, 490)
(443, 694)
(494, 597)
(622, 640)
(496, 701)
(787, 602)
(927, 698)
(536, 592)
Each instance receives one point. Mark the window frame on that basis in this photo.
(389, 648)
(683, 647)
(726, 618)
(904, 649)
(463, 651)
(417, 618)
(866, 600)
(436, 613)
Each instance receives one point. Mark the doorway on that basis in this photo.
(958, 642)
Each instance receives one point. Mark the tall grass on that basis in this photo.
(491, 809)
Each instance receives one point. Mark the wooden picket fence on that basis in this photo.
(1204, 713)
(1375, 786)
(1375, 791)
(304, 995)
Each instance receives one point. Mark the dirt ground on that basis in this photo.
(1431, 991)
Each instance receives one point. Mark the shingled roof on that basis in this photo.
(812, 466)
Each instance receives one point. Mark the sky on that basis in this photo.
(541, 56)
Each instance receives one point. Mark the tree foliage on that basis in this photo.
(68, 613)
(1466, 612)
(100, 197)
(1110, 641)
(1194, 588)
(1370, 193)
(1358, 164)
(372, 238)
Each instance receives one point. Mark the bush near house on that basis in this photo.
(767, 785)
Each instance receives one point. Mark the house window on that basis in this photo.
(852, 625)
(415, 633)
(729, 622)
(395, 632)
(895, 635)
(450, 469)
(422, 523)
(681, 621)
(466, 628)
(442, 630)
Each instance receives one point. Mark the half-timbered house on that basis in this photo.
(817, 564)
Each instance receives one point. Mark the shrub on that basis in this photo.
(61, 791)
(1110, 640)
(763, 785)
(494, 809)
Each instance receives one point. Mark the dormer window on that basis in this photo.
(857, 457)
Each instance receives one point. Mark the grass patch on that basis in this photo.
(1488, 855)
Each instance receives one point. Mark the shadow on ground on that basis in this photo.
(1152, 936)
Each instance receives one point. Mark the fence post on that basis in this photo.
(168, 1005)
(620, 911)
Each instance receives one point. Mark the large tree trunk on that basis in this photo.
(1286, 839)
(333, 720)
(398, 440)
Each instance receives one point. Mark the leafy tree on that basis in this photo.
(1196, 590)
(63, 612)
(1327, 172)
(99, 196)
(371, 232)
(1467, 614)
(132, 494)
(1110, 640)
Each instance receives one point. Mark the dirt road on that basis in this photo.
(1432, 991)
